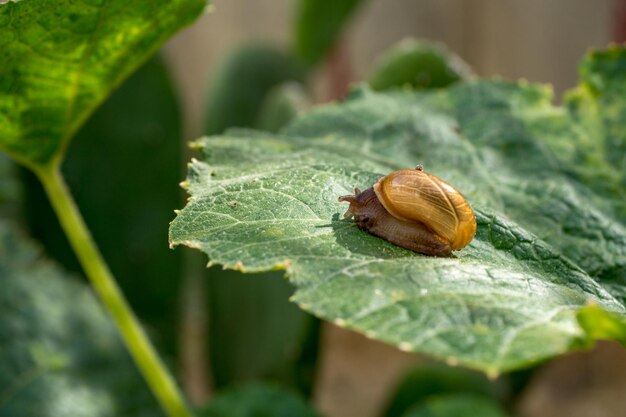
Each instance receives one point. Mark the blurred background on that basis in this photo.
(237, 67)
(536, 40)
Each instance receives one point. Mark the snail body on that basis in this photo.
(415, 210)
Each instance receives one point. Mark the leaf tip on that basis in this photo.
(209, 8)
(340, 322)
(191, 244)
(452, 361)
(239, 266)
(371, 334)
(406, 347)
(284, 264)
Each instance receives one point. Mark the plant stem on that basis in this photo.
(156, 374)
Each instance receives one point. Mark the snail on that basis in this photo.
(415, 210)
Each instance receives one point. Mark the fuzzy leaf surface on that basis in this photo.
(547, 243)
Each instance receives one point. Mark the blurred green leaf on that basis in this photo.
(546, 244)
(60, 354)
(457, 405)
(242, 82)
(419, 64)
(258, 401)
(125, 207)
(603, 76)
(281, 105)
(9, 187)
(59, 63)
(598, 157)
(319, 24)
(429, 380)
(256, 333)
(600, 324)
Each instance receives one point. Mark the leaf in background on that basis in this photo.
(602, 324)
(61, 59)
(603, 89)
(256, 333)
(125, 207)
(243, 81)
(429, 380)
(318, 25)
(258, 401)
(457, 405)
(545, 246)
(419, 64)
(281, 105)
(248, 312)
(597, 155)
(60, 354)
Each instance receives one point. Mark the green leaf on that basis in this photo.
(253, 311)
(603, 75)
(9, 187)
(281, 105)
(418, 64)
(546, 244)
(318, 25)
(242, 82)
(599, 107)
(61, 59)
(457, 406)
(125, 207)
(601, 324)
(61, 354)
(258, 401)
(429, 380)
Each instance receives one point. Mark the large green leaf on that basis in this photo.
(547, 243)
(60, 353)
(60, 59)
(139, 121)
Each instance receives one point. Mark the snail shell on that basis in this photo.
(415, 210)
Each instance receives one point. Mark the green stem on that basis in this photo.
(159, 379)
